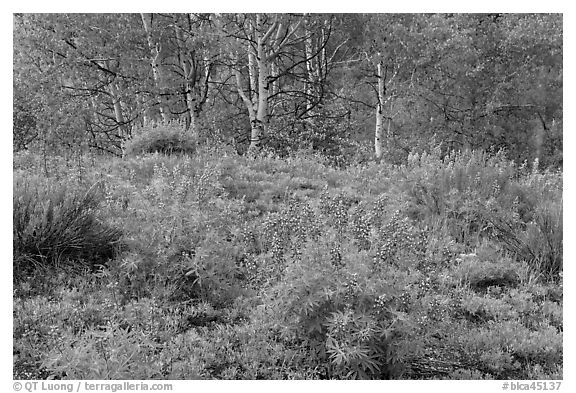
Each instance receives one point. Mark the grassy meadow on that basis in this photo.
(211, 265)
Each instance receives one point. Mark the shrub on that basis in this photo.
(349, 317)
(55, 223)
(170, 138)
(400, 242)
(357, 344)
(287, 230)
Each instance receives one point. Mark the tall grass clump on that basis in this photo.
(478, 195)
(532, 226)
(55, 222)
(167, 138)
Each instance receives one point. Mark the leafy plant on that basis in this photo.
(248, 268)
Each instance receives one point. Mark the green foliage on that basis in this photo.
(349, 316)
(246, 350)
(287, 230)
(327, 133)
(249, 268)
(87, 335)
(481, 274)
(109, 352)
(308, 259)
(357, 344)
(24, 122)
(56, 223)
(170, 138)
(532, 226)
(506, 347)
(400, 242)
(477, 195)
(474, 80)
(179, 230)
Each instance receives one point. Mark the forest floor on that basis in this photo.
(217, 266)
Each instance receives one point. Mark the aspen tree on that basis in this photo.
(154, 55)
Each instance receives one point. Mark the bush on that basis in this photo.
(55, 223)
(349, 316)
(170, 138)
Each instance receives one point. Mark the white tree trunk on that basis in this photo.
(249, 104)
(268, 43)
(118, 115)
(155, 53)
(311, 74)
(379, 112)
(189, 81)
(252, 110)
(252, 75)
(194, 116)
(196, 77)
(259, 128)
(143, 111)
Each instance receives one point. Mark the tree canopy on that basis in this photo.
(292, 81)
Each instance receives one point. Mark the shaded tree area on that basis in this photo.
(336, 84)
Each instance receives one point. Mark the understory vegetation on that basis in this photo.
(211, 265)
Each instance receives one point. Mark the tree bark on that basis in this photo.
(118, 115)
(196, 75)
(155, 53)
(260, 125)
(143, 111)
(189, 74)
(263, 47)
(379, 111)
(250, 106)
(311, 74)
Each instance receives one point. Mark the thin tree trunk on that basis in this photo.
(194, 123)
(258, 81)
(310, 74)
(316, 62)
(260, 62)
(118, 115)
(196, 80)
(379, 112)
(143, 110)
(249, 106)
(252, 76)
(155, 53)
(189, 70)
(259, 128)
(389, 130)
